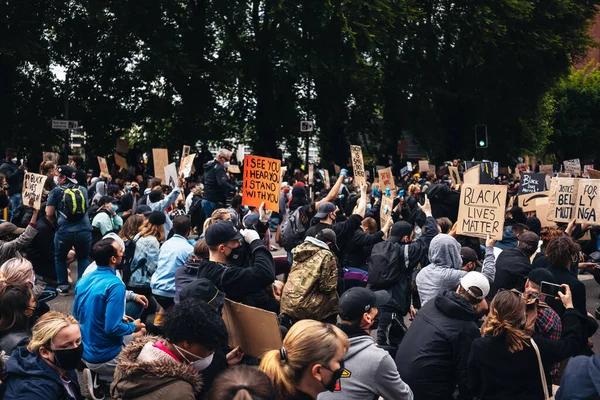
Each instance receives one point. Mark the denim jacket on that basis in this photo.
(144, 261)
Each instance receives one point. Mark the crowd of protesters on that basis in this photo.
(407, 309)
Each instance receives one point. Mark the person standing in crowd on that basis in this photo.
(311, 361)
(242, 383)
(99, 306)
(17, 308)
(173, 255)
(14, 173)
(130, 198)
(371, 370)
(153, 368)
(158, 202)
(73, 228)
(80, 174)
(147, 249)
(503, 362)
(45, 369)
(432, 358)
(14, 240)
(216, 184)
(311, 289)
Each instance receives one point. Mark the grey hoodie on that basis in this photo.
(369, 372)
(444, 271)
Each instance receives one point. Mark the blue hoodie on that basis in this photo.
(581, 379)
(30, 377)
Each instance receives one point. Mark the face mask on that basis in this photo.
(375, 322)
(128, 188)
(199, 365)
(69, 359)
(337, 374)
(14, 160)
(134, 189)
(236, 256)
(56, 182)
(226, 164)
(114, 208)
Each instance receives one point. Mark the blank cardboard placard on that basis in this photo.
(423, 166)
(562, 199)
(547, 169)
(572, 167)
(327, 180)
(52, 157)
(471, 176)
(262, 182)
(409, 166)
(542, 206)
(594, 174)
(120, 161)
(385, 212)
(481, 211)
(103, 165)
(532, 183)
(386, 178)
(432, 170)
(360, 178)
(311, 173)
(254, 330)
(454, 175)
(122, 147)
(171, 175)
(234, 169)
(185, 151)
(33, 188)
(588, 201)
(187, 164)
(586, 168)
(527, 201)
(161, 160)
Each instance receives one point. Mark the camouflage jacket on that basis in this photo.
(311, 288)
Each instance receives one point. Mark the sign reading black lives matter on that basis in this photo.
(532, 183)
(33, 187)
(262, 182)
(481, 211)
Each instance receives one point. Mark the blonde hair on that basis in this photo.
(46, 167)
(307, 343)
(217, 215)
(17, 271)
(47, 327)
(507, 314)
(149, 229)
(412, 188)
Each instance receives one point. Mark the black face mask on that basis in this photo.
(337, 374)
(237, 256)
(69, 359)
(134, 189)
(375, 323)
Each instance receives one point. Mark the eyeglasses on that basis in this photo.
(515, 291)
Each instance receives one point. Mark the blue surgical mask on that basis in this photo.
(114, 208)
(128, 188)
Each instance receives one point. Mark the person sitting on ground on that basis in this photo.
(191, 269)
(45, 369)
(155, 368)
(580, 380)
(311, 361)
(158, 202)
(242, 383)
(470, 261)
(145, 257)
(106, 219)
(432, 357)
(18, 306)
(14, 240)
(372, 372)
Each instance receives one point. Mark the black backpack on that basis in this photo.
(292, 230)
(74, 205)
(127, 259)
(386, 266)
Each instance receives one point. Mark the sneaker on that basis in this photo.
(92, 385)
(63, 290)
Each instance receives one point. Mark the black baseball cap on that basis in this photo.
(468, 254)
(157, 218)
(143, 209)
(328, 235)
(68, 172)
(221, 232)
(203, 289)
(399, 230)
(358, 300)
(540, 274)
(324, 210)
(107, 199)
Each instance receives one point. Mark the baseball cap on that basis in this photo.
(358, 300)
(7, 228)
(203, 289)
(399, 230)
(68, 172)
(540, 274)
(324, 210)
(478, 280)
(143, 209)
(107, 199)
(468, 254)
(529, 238)
(221, 232)
(328, 235)
(157, 218)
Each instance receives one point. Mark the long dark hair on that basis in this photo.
(15, 301)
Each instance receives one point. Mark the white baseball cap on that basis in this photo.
(478, 280)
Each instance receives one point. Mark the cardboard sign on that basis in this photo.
(336, 169)
(432, 170)
(471, 176)
(404, 171)
(532, 183)
(161, 160)
(495, 169)
(454, 175)
(527, 201)
(586, 168)
(358, 165)
(588, 202)
(235, 169)
(311, 173)
(572, 167)
(187, 165)
(103, 165)
(327, 180)
(386, 178)
(423, 166)
(184, 153)
(562, 199)
(547, 169)
(33, 187)
(122, 147)
(254, 330)
(262, 182)
(593, 174)
(481, 211)
(409, 166)
(120, 161)
(171, 175)
(52, 157)
(385, 212)
(542, 206)
(283, 171)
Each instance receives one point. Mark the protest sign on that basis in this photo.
(327, 180)
(161, 160)
(409, 166)
(432, 170)
(423, 166)
(120, 161)
(572, 167)
(385, 213)
(103, 165)
(336, 169)
(358, 165)
(262, 182)
(481, 210)
(495, 169)
(311, 173)
(527, 201)
(486, 171)
(586, 168)
(547, 169)
(542, 206)
(562, 198)
(471, 176)
(532, 183)
(187, 165)
(52, 157)
(171, 175)
(404, 171)
(184, 153)
(454, 175)
(282, 172)
(33, 187)
(594, 174)
(378, 167)
(254, 330)
(235, 169)
(588, 201)
(122, 147)
(386, 178)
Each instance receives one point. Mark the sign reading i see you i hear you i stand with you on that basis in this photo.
(262, 182)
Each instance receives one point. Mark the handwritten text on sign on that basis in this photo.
(262, 182)
(562, 199)
(386, 178)
(33, 187)
(588, 201)
(481, 211)
(532, 183)
(358, 164)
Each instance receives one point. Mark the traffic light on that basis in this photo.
(481, 137)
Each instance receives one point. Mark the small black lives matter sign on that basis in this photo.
(532, 183)
(482, 209)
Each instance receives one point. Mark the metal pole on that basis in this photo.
(67, 131)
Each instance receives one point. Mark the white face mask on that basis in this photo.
(56, 182)
(14, 160)
(198, 365)
(226, 164)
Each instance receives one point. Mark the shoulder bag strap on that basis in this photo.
(542, 373)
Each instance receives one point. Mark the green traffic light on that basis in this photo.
(481, 143)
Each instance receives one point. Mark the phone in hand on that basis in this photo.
(421, 198)
(551, 289)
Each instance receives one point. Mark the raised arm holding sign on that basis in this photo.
(262, 182)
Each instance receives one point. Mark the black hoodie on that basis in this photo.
(216, 185)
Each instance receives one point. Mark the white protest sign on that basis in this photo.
(171, 175)
(33, 187)
(187, 164)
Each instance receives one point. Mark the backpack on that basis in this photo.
(127, 259)
(74, 205)
(292, 230)
(385, 266)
